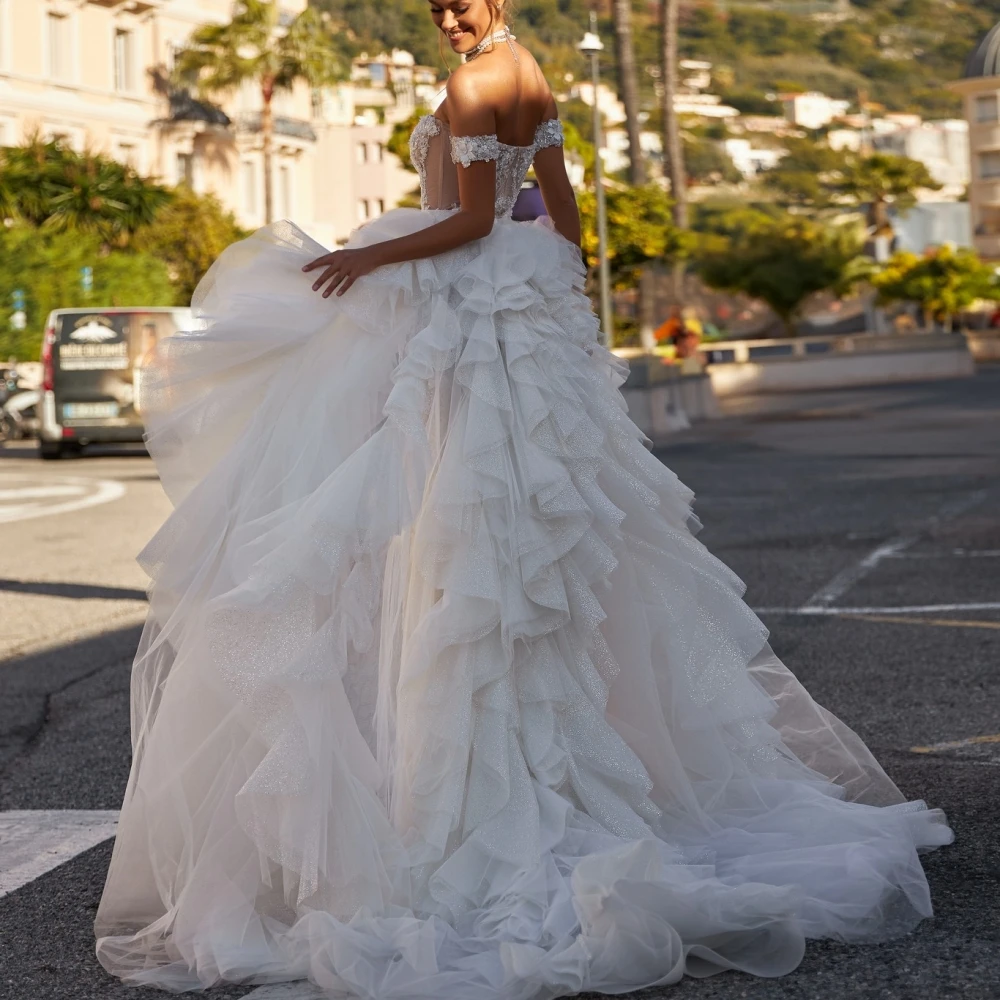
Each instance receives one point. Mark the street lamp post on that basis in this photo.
(593, 46)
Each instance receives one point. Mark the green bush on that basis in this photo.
(46, 265)
(187, 235)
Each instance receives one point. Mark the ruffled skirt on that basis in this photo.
(438, 696)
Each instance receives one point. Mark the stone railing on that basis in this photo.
(742, 367)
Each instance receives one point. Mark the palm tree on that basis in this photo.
(45, 183)
(673, 151)
(629, 87)
(255, 48)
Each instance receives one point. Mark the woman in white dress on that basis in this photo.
(438, 697)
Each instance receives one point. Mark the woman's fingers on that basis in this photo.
(320, 261)
(325, 277)
(340, 277)
(341, 269)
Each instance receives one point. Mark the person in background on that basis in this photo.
(667, 331)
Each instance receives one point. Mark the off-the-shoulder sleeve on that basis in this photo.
(465, 149)
(549, 133)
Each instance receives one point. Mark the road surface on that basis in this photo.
(866, 524)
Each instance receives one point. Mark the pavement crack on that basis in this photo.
(25, 738)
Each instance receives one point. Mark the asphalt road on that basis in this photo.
(865, 523)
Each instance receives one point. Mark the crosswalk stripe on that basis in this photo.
(34, 841)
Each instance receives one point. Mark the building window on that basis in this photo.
(362, 150)
(989, 165)
(184, 172)
(250, 187)
(127, 153)
(123, 60)
(987, 108)
(988, 221)
(285, 190)
(70, 138)
(379, 206)
(59, 50)
(364, 210)
(379, 152)
(4, 33)
(174, 49)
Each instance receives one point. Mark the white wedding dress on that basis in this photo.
(438, 697)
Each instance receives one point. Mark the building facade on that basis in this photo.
(980, 90)
(94, 73)
(942, 146)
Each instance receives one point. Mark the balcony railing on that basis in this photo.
(131, 6)
(296, 128)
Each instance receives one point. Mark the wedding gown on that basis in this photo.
(438, 697)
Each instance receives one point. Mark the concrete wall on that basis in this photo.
(984, 345)
(661, 401)
(753, 366)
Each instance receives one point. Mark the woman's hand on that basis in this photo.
(343, 267)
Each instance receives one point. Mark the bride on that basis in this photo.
(438, 697)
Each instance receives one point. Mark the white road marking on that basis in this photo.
(289, 991)
(952, 554)
(913, 609)
(42, 492)
(81, 493)
(957, 744)
(33, 842)
(847, 578)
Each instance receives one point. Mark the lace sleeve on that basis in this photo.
(549, 133)
(467, 148)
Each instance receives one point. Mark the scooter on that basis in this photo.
(19, 413)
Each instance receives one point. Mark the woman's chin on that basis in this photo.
(463, 44)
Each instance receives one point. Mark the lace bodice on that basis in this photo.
(429, 151)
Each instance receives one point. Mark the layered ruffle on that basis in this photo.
(438, 695)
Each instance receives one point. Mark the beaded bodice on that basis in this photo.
(436, 153)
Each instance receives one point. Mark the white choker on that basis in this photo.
(503, 35)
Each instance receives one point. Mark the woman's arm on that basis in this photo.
(557, 192)
(469, 113)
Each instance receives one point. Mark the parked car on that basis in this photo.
(93, 362)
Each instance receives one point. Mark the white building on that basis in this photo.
(980, 90)
(845, 138)
(812, 109)
(95, 74)
(943, 147)
(933, 224)
(750, 161)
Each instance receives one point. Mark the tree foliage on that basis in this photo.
(187, 235)
(48, 184)
(902, 52)
(707, 161)
(46, 265)
(815, 177)
(784, 262)
(942, 283)
(640, 228)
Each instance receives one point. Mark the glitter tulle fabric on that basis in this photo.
(439, 698)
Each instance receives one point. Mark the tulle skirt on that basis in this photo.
(438, 696)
